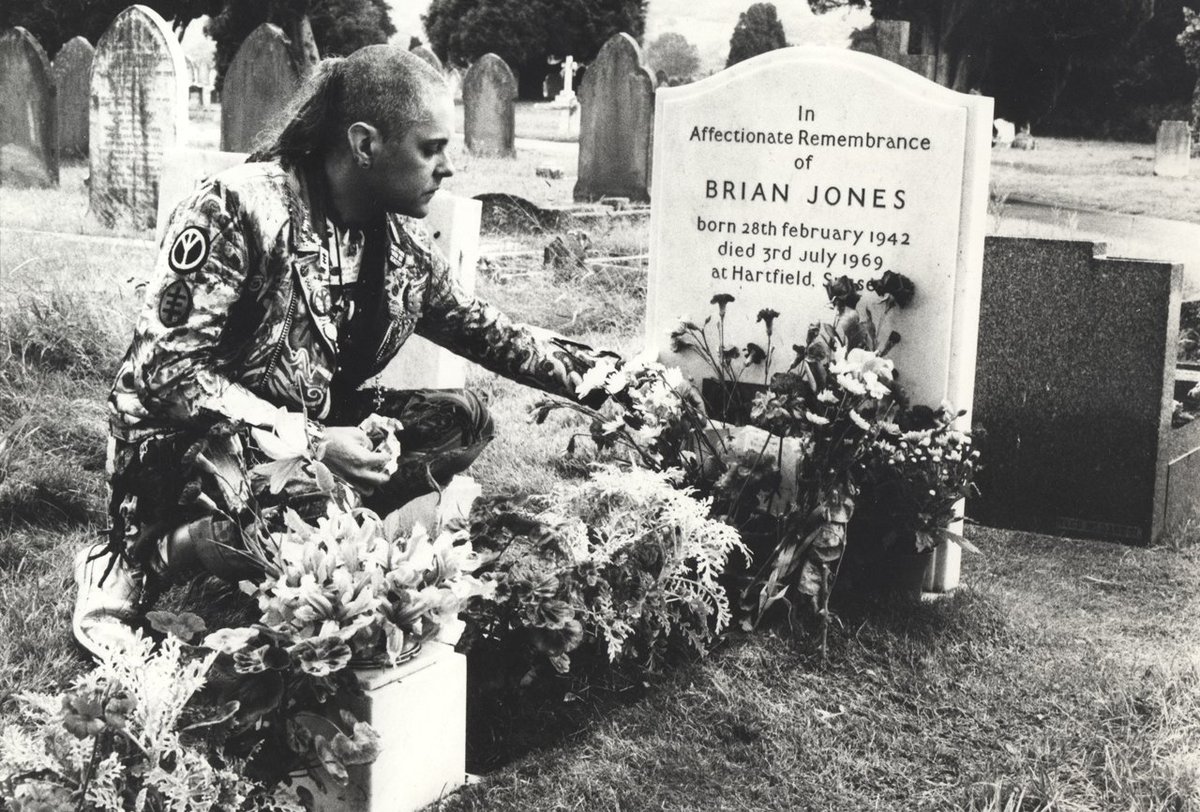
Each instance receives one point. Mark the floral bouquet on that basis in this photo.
(134, 734)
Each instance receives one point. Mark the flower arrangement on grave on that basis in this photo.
(353, 589)
(834, 423)
(620, 565)
(134, 734)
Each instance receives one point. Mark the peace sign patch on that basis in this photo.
(189, 250)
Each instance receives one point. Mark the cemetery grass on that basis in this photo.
(1100, 175)
(1062, 675)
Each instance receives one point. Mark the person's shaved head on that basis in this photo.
(381, 85)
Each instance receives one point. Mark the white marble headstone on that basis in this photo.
(806, 164)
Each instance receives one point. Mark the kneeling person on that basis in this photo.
(282, 286)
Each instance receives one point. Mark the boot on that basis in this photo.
(103, 610)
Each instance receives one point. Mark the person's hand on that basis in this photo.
(347, 452)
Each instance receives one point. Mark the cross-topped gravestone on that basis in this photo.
(617, 99)
(72, 80)
(489, 90)
(139, 109)
(28, 136)
(802, 165)
(258, 85)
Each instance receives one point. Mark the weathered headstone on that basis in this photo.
(615, 128)
(1004, 132)
(28, 135)
(426, 53)
(893, 38)
(72, 80)
(1173, 149)
(489, 92)
(806, 164)
(1075, 386)
(138, 110)
(258, 85)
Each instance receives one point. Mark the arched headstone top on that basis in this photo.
(620, 56)
(28, 133)
(496, 70)
(138, 18)
(260, 81)
(426, 53)
(74, 51)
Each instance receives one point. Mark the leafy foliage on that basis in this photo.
(621, 565)
(758, 30)
(675, 56)
(525, 32)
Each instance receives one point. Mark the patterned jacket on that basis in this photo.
(236, 320)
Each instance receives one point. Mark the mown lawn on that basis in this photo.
(1063, 674)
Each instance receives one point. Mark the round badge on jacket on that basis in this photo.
(189, 251)
(175, 304)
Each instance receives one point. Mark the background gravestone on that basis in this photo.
(139, 109)
(72, 81)
(426, 53)
(28, 135)
(1173, 149)
(805, 164)
(489, 90)
(893, 37)
(615, 127)
(1075, 387)
(258, 85)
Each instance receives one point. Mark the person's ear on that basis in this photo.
(364, 140)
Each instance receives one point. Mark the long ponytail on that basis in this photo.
(310, 121)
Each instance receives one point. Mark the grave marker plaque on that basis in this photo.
(72, 80)
(260, 82)
(806, 164)
(138, 110)
(28, 135)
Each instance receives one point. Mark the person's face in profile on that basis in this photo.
(408, 169)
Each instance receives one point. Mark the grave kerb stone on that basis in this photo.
(930, 195)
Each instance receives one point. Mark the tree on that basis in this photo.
(758, 30)
(823, 6)
(672, 54)
(340, 27)
(524, 33)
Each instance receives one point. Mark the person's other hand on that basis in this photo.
(347, 452)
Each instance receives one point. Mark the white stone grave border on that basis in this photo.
(964, 329)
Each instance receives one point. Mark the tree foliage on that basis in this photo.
(758, 30)
(674, 55)
(339, 26)
(524, 33)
